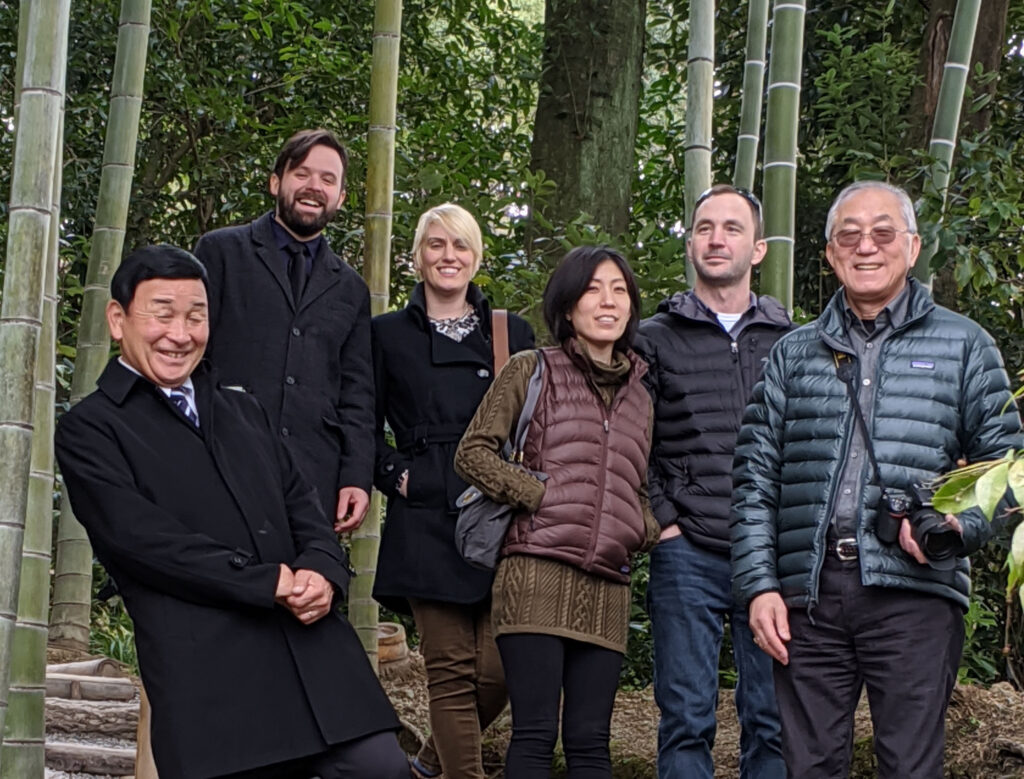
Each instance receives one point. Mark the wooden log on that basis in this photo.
(104, 718)
(91, 688)
(97, 666)
(82, 758)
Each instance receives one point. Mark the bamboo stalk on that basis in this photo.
(700, 85)
(72, 586)
(753, 86)
(947, 117)
(380, 176)
(42, 95)
(780, 148)
(23, 752)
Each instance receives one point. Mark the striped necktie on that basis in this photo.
(179, 399)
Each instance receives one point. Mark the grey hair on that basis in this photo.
(906, 206)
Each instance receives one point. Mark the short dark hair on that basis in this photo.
(570, 280)
(161, 261)
(756, 211)
(298, 147)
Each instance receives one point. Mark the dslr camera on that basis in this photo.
(938, 541)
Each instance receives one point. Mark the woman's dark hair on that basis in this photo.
(161, 261)
(570, 280)
(298, 147)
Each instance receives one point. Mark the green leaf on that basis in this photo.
(1015, 480)
(956, 494)
(991, 487)
(1016, 558)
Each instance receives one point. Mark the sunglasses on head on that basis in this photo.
(746, 194)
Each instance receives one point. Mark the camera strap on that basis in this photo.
(846, 370)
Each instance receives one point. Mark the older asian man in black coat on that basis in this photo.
(221, 553)
(290, 322)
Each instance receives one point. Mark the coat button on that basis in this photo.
(284, 432)
(296, 332)
(289, 380)
(389, 468)
(237, 561)
(483, 373)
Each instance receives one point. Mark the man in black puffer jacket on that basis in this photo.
(885, 390)
(706, 349)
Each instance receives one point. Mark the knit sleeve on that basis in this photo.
(478, 459)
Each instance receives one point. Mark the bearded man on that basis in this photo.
(290, 323)
(706, 349)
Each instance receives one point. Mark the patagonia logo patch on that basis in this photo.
(926, 365)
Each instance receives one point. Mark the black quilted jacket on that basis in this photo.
(700, 379)
(942, 394)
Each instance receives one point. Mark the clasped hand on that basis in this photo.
(306, 594)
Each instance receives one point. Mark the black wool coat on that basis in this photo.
(428, 388)
(309, 364)
(193, 525)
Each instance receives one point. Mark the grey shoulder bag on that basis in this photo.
(482, 524)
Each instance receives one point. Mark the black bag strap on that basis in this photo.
(846, 371)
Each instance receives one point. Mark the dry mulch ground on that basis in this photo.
(984, 730)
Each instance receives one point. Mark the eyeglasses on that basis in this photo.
(880, 236)
(726, 189)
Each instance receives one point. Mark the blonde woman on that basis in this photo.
(433, 362)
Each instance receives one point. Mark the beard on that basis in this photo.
(303, 225)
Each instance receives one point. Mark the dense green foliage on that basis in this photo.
(229, 79)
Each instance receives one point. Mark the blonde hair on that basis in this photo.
(458, 222)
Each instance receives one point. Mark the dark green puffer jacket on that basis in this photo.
(941, 393)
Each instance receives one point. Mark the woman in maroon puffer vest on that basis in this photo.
(561, 594)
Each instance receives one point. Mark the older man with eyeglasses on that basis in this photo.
(847, 586)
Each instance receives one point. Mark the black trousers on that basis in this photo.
(903, 646)
(540, 671)
(377, 756)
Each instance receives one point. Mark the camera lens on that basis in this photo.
(939, 543)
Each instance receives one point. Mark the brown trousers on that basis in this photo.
(465, 683)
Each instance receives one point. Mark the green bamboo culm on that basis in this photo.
(72, 584)
(23, 751)
(37, 138)
(781, 125)
(947, 116)
(700, 85)
(23, 755)
(753, 86)
(380, 184)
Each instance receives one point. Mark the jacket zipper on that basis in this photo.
(599, 506)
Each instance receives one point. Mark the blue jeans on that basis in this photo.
(688, 598)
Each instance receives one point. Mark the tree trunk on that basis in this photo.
(780, 146)
(753, 86)
(947, 116)
(72, 586)
(989, 49)
(587, 110)
(32, 181)
(700, 106)
(380, 183)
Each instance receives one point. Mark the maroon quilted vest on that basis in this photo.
(596, 460)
